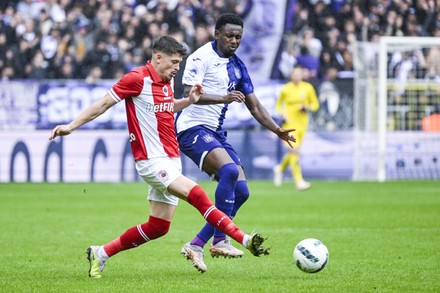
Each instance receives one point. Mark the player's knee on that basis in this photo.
(228, 172)
(155, 227)
(241, 191)
(163, 230)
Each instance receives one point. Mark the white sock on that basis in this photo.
(246, 240)
(102, 255)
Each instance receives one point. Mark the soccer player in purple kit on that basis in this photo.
(201, 137)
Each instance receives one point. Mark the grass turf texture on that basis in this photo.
(382, 237)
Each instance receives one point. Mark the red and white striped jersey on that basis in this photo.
(149, 103)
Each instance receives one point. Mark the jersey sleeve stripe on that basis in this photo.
(114, 96)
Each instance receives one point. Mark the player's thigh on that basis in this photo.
(197, 143)
(215, 159)
(181, 187)
(162, 210)
(219, 158)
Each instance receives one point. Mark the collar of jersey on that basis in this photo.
(154, 76)
(214, 47)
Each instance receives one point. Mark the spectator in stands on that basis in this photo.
(202, 36)
(94, 75)
(49, 44)
(433, 64)
(326, 60)
(44, 22)
(7, 73)
(301, 19)
(313, 45)
(25, 8)
(309, 62)
(3, 48)
(98, 57)
(12, 60)
(37, 69)
(83, 40)
(66, 67)
(346, 70)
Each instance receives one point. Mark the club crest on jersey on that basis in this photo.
(165, 90)
(162, 175)
(208, 138)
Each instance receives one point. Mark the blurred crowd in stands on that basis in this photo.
(323, 32)
(103, 39)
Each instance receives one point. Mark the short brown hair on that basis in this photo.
(168, 45)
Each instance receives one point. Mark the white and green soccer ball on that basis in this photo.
(310, 255)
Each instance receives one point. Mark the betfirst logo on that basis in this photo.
(162, 107)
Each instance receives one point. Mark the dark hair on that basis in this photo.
(169, 46)
(226, 18)
(304, 50)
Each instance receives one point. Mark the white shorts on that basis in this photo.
(159, 173)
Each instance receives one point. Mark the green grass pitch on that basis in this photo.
(382, 237)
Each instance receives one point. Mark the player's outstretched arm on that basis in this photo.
(285, 134)
(263, 117)
(193, 96)
(93, 111)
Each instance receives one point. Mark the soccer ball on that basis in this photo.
(310, 255)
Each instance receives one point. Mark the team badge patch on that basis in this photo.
(162, 175)
(165, 90)
(208, 138)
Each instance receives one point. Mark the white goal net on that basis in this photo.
(397, 109)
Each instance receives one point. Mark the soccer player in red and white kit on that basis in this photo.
(149, 99)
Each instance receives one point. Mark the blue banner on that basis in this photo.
(18, 105)
(27, 105)
(265, 24)
(61, 102)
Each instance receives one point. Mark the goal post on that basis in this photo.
(397, 89)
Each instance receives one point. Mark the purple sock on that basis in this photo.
(198, 241)
(218, 239)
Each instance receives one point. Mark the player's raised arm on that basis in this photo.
(194, 95)
(209, 99)
(90, 113)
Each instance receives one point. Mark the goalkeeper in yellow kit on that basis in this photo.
(296, 100)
